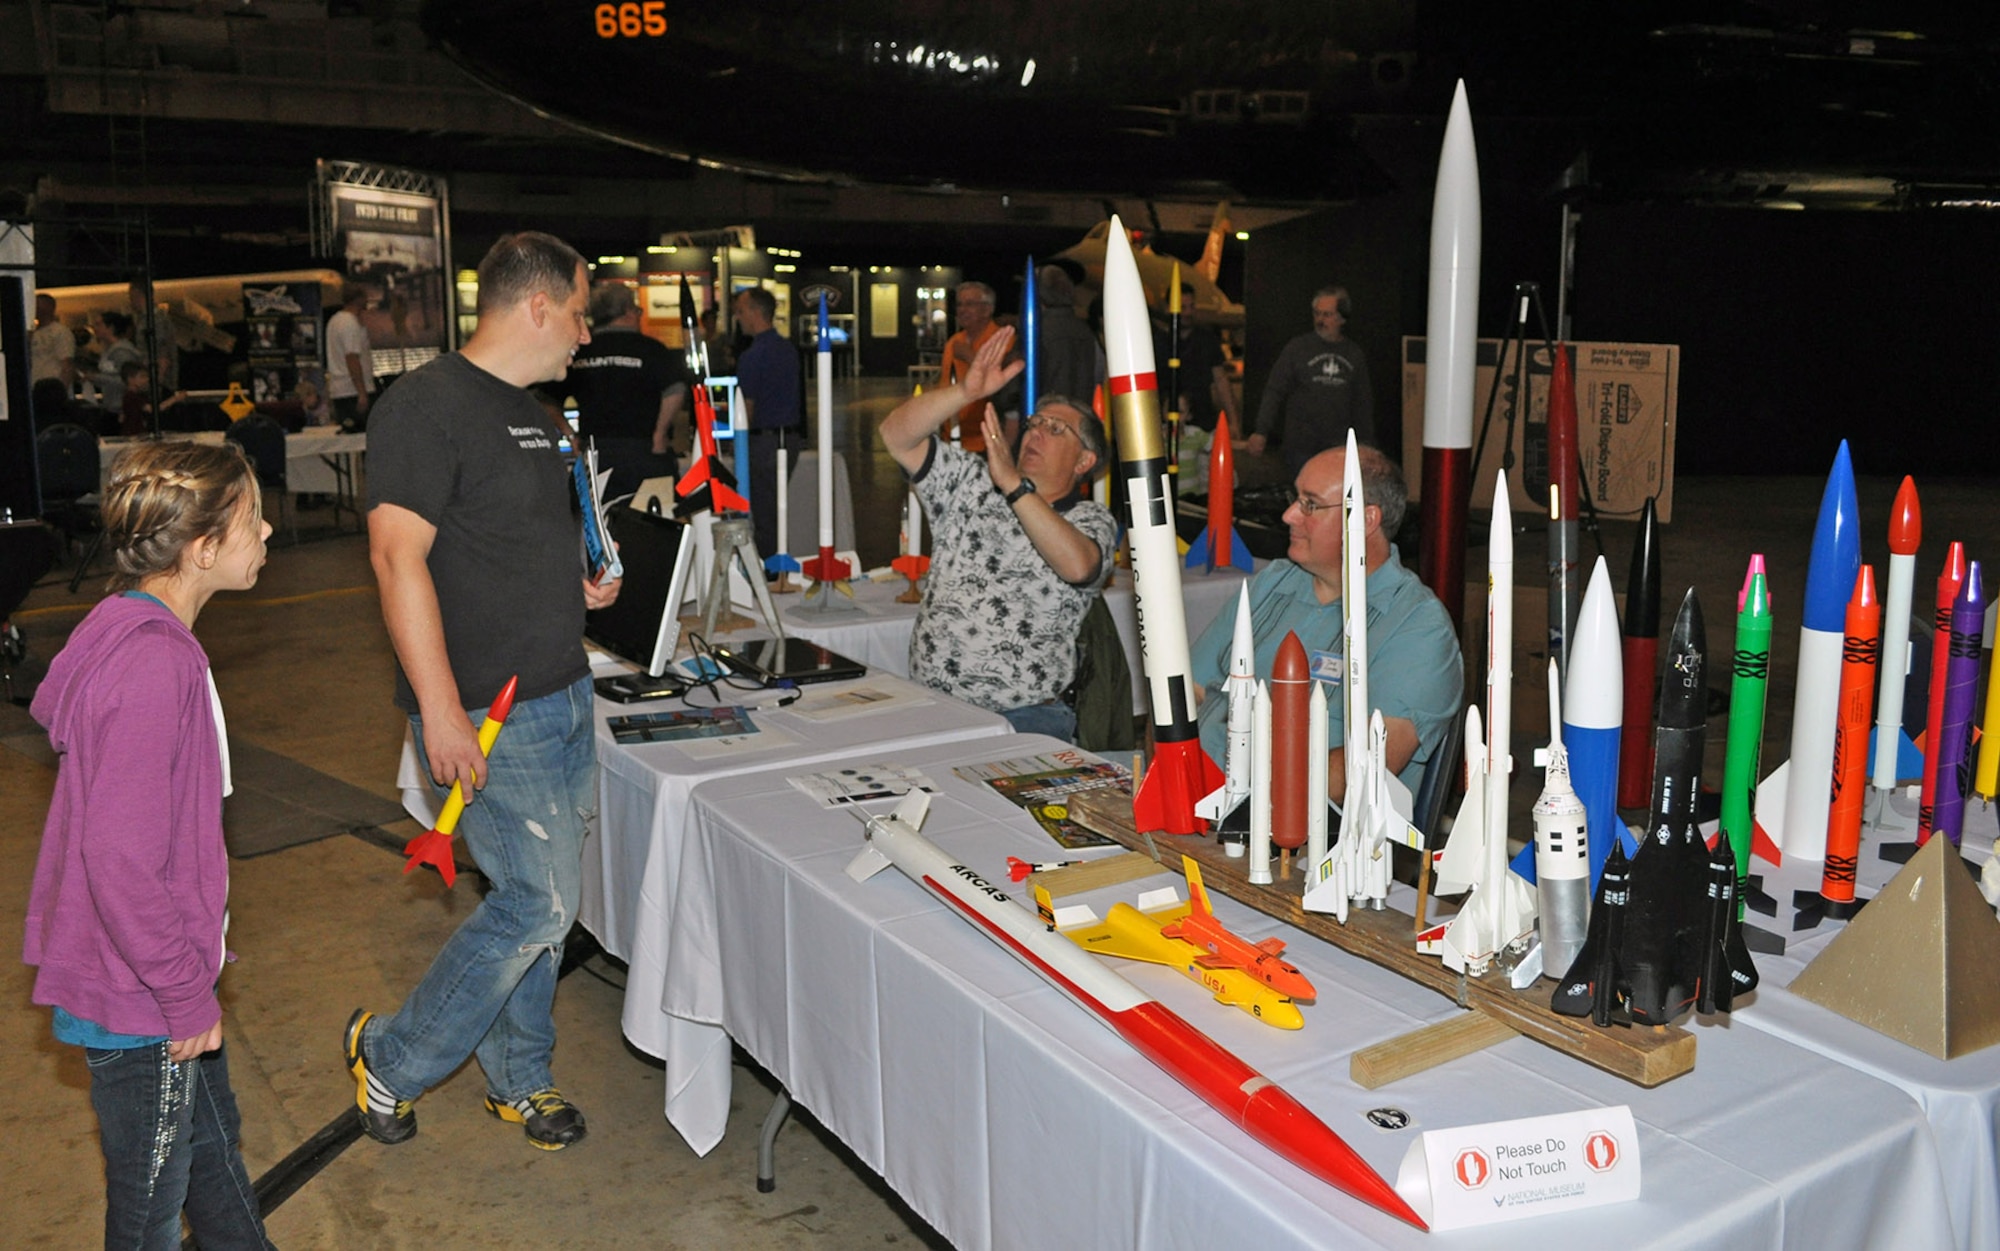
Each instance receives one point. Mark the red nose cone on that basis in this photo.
(1290, 663)
(503, 703)
(1864, 588)
(1953, 572)
(1906, 520)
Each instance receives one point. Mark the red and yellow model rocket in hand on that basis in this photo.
(433, 846)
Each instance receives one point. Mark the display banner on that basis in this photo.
(391, 239)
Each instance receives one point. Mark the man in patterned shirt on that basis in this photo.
(1018, 554)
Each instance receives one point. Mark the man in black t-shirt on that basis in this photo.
(473, 534)
(629, 389)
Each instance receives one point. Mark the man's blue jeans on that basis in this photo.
(169, 1134)
(491, 989)
(1055, 719)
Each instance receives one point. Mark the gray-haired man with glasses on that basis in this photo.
(1416, 676)
(1018, 554)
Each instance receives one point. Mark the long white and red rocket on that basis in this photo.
(1181, 772)
(1220, 1078)
(826, 568)
(1451, 340)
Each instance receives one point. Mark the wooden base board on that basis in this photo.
(1645, 1056)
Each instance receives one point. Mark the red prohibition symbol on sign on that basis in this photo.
(1600, 1152)
(1471, 1168)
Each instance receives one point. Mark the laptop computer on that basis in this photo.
(788, 660)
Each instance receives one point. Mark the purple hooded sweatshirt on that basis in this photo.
(125, 919)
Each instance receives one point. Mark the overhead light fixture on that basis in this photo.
(1243, 236)
(784, 269)
(611, 260)
(657, 250)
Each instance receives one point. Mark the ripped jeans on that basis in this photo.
(491, 990)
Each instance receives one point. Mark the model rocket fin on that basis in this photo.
(1238, 555)
(1197, 892)
(1458, 866)
(1769, 814)
(1130, 934)
(1180, 776)
(1590, 988)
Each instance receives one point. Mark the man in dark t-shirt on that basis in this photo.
(473, 535)
(629, 389)
(767, 377)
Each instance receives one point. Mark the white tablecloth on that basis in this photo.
(1961, 1097)
(633, 876)
(306, 466)
(1009, 1117)
(878, 633)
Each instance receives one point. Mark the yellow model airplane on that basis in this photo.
(1134, 935)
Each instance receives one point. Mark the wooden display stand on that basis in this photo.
(1644, 1055)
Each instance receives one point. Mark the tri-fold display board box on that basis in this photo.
(1626, 400)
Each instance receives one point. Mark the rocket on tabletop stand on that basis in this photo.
(1859, 652)
(1893, 755)
(1181, 772)
(1451, 330)
(1792, 803)
(781, 562)
(828, 572)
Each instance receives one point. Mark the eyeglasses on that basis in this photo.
(1051, 425)
(1308, 505)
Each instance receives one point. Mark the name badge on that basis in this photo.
(1506, 1170)
(1328, 666)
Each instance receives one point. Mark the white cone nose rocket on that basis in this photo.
(1451, 326)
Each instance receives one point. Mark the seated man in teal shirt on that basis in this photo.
(1416, 676)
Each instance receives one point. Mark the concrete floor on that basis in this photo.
(304, 668)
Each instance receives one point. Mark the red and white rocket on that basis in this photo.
(1216, 1075)
(1181, 772)
(1451, 339)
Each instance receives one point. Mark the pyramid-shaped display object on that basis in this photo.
(1920, 963)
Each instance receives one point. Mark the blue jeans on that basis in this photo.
(1055, 719)
(491, 989)
(169, 1135)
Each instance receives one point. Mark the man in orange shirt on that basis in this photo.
(975, 325)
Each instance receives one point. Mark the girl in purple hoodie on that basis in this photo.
(128, 909)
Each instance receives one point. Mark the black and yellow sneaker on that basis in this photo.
(551, 1121)
(384, 1117)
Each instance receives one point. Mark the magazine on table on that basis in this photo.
(679, 724)
(600, 554)
(1042, 785)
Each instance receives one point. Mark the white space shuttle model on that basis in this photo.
(1376, 810)
(1500, 912)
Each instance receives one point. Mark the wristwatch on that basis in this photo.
(1014, 496)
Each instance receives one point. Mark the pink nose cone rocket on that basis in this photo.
(1593, 709)
(1895, 756)
(1451, 338)
(1222, 1080)
(1181, 772)
(1831, 570)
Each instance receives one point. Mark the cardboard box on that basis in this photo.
(1626, 395)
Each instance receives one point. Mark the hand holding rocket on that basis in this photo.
(433, 846)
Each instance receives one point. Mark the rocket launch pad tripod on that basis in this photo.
(1527, 297)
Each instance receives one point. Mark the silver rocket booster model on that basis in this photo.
(1376, 810)
(1562, 851)
(1220, 803)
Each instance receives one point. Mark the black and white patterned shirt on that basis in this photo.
(998, 626)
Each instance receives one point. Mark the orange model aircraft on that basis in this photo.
(1227, 951)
